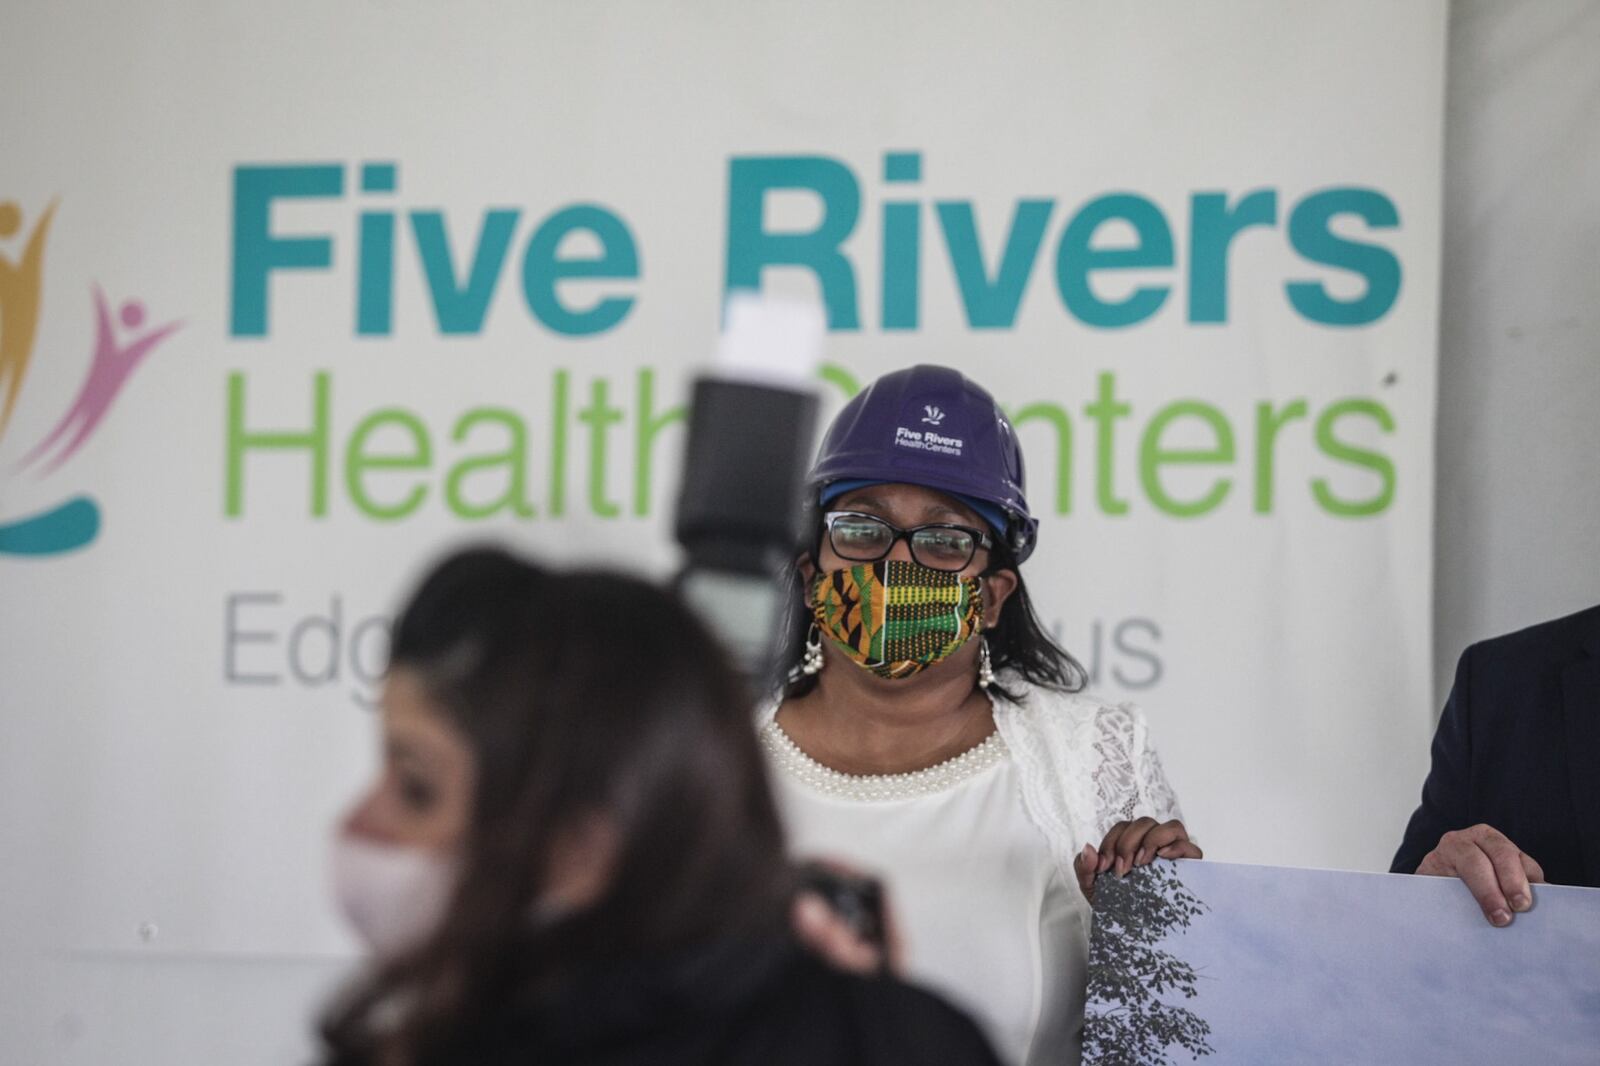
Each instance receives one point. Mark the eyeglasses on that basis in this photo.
(865, 538)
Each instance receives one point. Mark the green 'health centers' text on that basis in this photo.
(593, 449)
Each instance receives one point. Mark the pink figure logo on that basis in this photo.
(112, 366)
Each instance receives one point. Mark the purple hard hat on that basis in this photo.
(932, 426)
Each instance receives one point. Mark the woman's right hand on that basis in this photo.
(1130, 844)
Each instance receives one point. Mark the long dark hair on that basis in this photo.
(1018, 643)
(580, 693)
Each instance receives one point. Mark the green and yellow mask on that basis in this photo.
(895, 617)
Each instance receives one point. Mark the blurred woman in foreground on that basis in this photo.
(571, 855)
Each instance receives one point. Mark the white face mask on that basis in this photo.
(393, 896)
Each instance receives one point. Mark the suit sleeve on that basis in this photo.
(1447, 791)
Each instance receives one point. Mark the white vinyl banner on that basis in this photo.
(295, 296)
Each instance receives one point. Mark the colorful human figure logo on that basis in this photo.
(75, 523)
(112, 365)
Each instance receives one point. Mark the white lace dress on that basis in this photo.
(976, 854)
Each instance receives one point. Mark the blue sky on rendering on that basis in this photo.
(1317, 966)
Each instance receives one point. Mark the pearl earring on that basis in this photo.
(985, 665)
(811, 661)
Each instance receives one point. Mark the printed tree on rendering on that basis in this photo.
(1129, 1019)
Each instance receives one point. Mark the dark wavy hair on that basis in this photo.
(579, 693)
(1018, 643)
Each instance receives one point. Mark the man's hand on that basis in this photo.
(1496, 872)
(1130, 844)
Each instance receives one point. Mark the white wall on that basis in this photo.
(136, 1008)
(1518, 521)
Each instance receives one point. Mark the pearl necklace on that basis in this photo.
(802, 767)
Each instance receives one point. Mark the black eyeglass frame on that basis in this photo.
(980, 538)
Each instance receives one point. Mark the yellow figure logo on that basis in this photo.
(20, 285)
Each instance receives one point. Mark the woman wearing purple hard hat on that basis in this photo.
(931, 732)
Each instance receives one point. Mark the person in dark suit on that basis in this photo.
(1513, 796)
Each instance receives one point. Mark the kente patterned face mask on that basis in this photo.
(896, 617)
